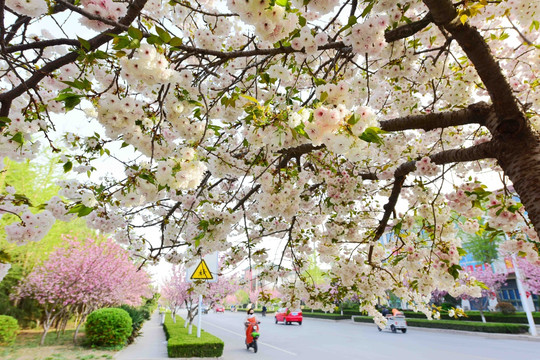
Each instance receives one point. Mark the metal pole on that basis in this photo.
(199, 320)
(523, 298)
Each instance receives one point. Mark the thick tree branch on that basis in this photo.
(473, 153)
(404, 31)
(42, 44)
(296, 152)
(511, 120)
(473, 114)
(248, 53)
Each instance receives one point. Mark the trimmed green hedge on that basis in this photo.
(460, 325)
(181, 344)
(330, 316)
(496, 317)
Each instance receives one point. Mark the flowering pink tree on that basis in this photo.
(176, 291)
(217, 292)
(84, 276)
(303, 126)
(492, 283)
(531, 275)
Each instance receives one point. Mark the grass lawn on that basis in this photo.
(27, 347)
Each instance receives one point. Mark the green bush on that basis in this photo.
(506, 308)
(138, 316)
(108, 327)
(181, 344)
(9, 327)
(460, 325)
(27, 311)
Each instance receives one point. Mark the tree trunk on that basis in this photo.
(520, 160)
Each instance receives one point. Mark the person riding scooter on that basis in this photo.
(252, 327)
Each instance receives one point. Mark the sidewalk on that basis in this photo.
(150, 345)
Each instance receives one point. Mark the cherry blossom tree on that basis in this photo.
(220, 290)
(492, 283)
(531, 275)
(176, 291)
(282, 127)
(82, 277)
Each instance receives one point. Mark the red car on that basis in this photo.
(287, 316)
(219, 308)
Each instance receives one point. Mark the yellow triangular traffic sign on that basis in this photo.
(202, 272)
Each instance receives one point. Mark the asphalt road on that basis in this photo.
(342, 340)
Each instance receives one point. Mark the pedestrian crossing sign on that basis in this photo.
(202, 272)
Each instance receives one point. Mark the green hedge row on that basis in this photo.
(333, 316)
(181, 344)
(518, 318)
(337, 311)
(505, 328)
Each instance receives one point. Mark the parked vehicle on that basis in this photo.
(286, 316)
(395, 323)
(219, 308)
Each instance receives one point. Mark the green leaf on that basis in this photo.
(163, 34)
(282, 3)
(461, 251)
(514, 208)
(354, 119)
(135, 33)
(85, 211)
(81, 210)
(371, 135)
(250, 98)
(4, 120)
(198, 238)
(154, 39)
(368, 8)
(324, 96)
(84, 43)
(454, 270)
(176, 41)
(302, 21)
(68, 166)
(18, 138)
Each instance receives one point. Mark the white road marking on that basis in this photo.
(244, 335)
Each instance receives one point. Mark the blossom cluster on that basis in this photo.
(106, 9)
(32, 8)
(368, 37)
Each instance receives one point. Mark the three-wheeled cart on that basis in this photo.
(395, 323)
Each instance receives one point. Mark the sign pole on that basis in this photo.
(199, 320)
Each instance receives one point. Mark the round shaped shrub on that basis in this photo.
(9, 327)
(108, 327)
(506, 308)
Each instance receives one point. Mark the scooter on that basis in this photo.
(252, 334)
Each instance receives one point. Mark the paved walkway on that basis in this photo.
(150, 345)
